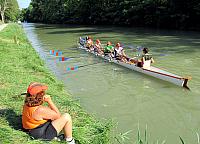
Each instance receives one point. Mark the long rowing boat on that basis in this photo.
(148, 70)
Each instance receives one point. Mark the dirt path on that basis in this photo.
(2, 26)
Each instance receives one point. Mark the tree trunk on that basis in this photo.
(2, 17)
(3, 8)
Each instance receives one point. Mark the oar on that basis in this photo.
(159, 54)
(139, 50)
(134, 48)
(64, 52)
(73, 68)
(66, 58)
(55, 52)
(80, 66)
(59, 52)
(74, 48)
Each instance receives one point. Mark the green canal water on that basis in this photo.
(131, 99)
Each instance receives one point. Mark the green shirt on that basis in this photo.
(108, 48)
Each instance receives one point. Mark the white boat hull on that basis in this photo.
(155, 72)
(151, 71)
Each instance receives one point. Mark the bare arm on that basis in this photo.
(143, 59)
(52, 106)
(50, 112)
(45, 113)
(152, 60)
(123, 53)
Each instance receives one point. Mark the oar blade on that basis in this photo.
(64, 58)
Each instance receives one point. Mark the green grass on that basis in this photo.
(19, 65)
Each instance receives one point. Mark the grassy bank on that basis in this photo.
(20, 65)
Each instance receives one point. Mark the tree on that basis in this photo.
(9, 10)
(178, 14)
(12, 13)
(3, 8)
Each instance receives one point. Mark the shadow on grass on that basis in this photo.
(14, 120)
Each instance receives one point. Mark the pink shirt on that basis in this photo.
(119, 50)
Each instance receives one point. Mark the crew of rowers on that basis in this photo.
(117, 52)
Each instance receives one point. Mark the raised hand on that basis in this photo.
(47, 98)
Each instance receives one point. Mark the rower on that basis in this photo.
(109, 49)
(98, 47)
(119, 53)
(82, 41)
(89, 43)
(146, 59)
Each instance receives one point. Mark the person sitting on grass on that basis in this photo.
(44, 122)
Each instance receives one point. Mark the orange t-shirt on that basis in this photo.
(28, 121)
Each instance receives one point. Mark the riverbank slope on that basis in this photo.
(20, 65)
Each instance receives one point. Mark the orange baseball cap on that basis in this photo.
(35, 87)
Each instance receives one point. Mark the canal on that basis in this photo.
(132, 100)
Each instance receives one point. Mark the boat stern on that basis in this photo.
(186, 79)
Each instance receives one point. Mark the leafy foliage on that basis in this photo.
(152, 13)
(9, 10)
